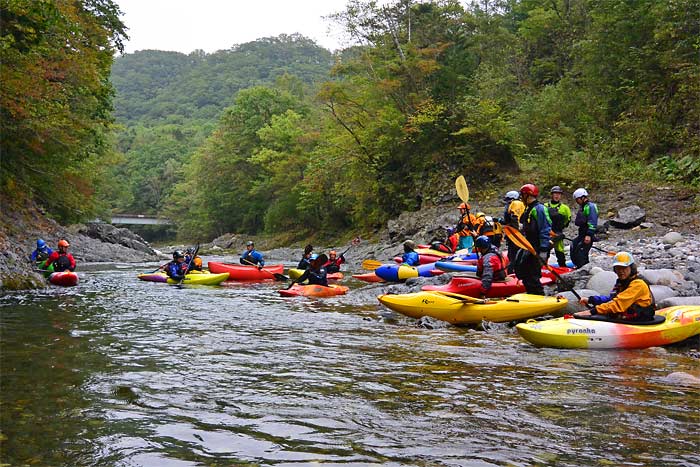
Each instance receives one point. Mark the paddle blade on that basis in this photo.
(462, 189)
(278, 276)
(518, 238)
(371, 264)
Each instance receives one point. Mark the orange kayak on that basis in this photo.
(313, 291)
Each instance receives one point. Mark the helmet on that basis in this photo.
(450, 231)
(511, 195)
(529, 189)
(40, 244)
(249, 243)
(580, 192)
(333, 253)
(410, 244)
(313, 256)
(556, 189)
(623, 259)
(480, 214)
(189, 251)
(482, 242)
(63, 243)
(464, 206)
(178, 254)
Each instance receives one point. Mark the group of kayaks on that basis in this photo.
(460, 302)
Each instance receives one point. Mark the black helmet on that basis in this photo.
(556, 189)
(178, 254)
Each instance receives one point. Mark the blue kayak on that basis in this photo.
(399, 272)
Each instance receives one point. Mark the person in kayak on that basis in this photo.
(194, 262)
(491, 266)
(490, 227)
(536, 228)
(560, 214)
(316, 274)
(305, 261)
(61, 259)
(410, 257)
(631, 298)
(177, 268)
(251, 256)
(450, 244)
(334, 261)
(587, 222)
(42, 252)
(465, 227)
(514, 208)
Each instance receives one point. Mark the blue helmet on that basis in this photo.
(482, 242)
(40, 244)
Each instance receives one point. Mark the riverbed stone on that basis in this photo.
(662, 292)
(668, 277)
(676, 301)
(628, 217)
(603, 282)
(672, 238)
(573, 306)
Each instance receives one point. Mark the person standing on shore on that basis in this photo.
(514, 208)
(536, 228)
(560, 214)
(587, 222)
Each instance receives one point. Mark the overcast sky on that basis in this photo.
(211, 25)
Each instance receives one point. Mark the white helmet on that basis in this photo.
(623, 259)
(511, 195)
(580, 192)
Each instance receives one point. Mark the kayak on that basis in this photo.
(460, 309)
(670, 325)
(433, 256)
(296, 274)
(399, 272)
(456, 266)
(153, 277)
(368, 277)
(244, 272)
(471, 286)
(65, 278)
(298, 290)
(194, 277)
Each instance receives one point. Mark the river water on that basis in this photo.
(118, 372)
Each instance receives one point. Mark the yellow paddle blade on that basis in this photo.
(518, 238)
(464, 298)
(371, 264)
(462, 189)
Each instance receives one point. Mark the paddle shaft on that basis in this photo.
(275, 275)
(609, 253)
(189, 263)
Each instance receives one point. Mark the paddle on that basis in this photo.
(463, 193)
(189, 263)
(464, 298)
(609, 253)
(159, 268)
(276, 275)
(521, 242)
(355, 241)
(370, 264)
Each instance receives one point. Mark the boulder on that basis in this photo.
(668, 277)
(675, 301)
(602, 282)
(111, 234)
(573, 306)
(662, 292)
(628, 217)
(672, 238)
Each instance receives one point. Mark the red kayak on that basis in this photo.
(243, 272)
(471, 286)
(313, 291)
(64, 279)
(561, 270)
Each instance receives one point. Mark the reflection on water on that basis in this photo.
(117, 372)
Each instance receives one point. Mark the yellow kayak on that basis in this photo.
(460, 309)
(671, 325)
(195, 277)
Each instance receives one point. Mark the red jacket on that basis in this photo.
(60, 265)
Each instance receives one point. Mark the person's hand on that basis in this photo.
(587, 239)
(584, 301)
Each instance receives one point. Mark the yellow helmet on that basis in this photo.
(623, 259)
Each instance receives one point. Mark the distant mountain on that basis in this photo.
(155, 87)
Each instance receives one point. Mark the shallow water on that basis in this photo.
(118, 372)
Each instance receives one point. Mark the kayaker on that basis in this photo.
(487, 225)
(177, 268)
(587, 222)
(316, 274)
(631, 298)
(61, 259)
(536, 228)
(491, 266)
(410, 257)
(42, 252)
(560, 214)
(195, 263)
(251, 256)
(334, 261)
(514, 208)
(450, 244)
(305, 261)
(465, 227)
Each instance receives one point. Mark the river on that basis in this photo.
(118, 372)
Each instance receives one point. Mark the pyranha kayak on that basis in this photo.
(64, 279)
(460, 309)
(313, 291)
(243, 272)
(671, 325)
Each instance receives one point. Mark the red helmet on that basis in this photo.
(529, 189)
(464, 206)
(63, 243)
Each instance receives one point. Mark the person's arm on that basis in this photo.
(487, 273)
(637, 290)
(591, 212)
(566, 212)
(544, 226)
(259, 258)
(72, 262)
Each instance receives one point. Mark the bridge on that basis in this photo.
(133, 219)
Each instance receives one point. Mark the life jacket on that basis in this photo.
(62, 264)
(195, 264)
(513, 211)
(498, 265)
(635, 312)
(558, 219)
(531, 227)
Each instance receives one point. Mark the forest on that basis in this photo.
(280, 135)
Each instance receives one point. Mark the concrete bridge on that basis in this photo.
(133, 219)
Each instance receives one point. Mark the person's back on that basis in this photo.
(410, 257)
(316, 274)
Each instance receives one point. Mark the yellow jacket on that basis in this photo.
(636, 293)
